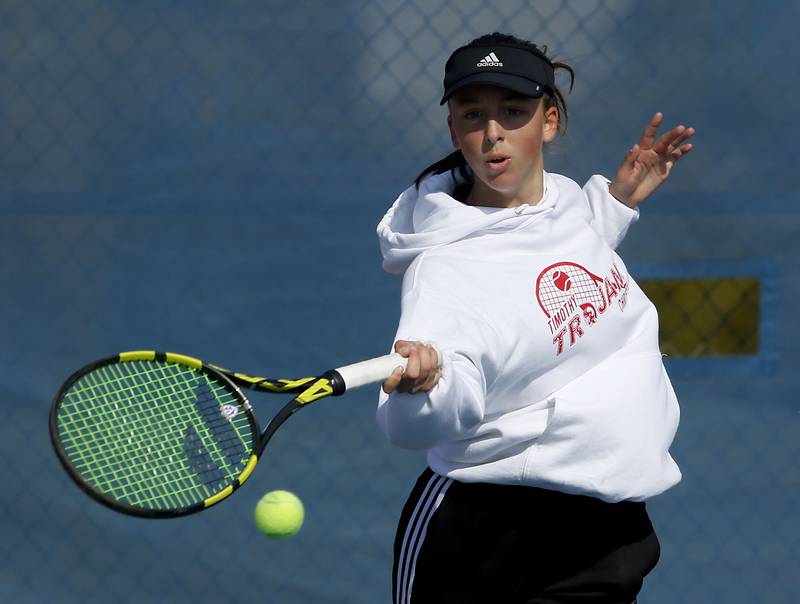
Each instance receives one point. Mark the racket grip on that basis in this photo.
(374, 370)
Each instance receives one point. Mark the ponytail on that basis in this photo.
(452, 163)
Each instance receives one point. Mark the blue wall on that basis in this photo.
(206, 178)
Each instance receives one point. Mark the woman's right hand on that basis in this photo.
(422, 370)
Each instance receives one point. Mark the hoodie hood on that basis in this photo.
(431, 217)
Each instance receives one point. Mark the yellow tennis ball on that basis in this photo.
(279, 514)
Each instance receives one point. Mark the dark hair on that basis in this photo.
(455, 161)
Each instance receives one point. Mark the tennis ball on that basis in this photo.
(279, 514)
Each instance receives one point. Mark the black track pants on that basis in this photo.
(496, 544)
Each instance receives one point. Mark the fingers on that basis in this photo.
(649, 134)
(679, 147)
(410, 351)
(673, 141)
(391, 383)
(669, 142)
(649, 163)
(421, 371)
(431, 365)
(678, 153)
(422, 368)
(630, 158)
(682, 137)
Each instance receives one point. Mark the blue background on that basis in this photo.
(206, 178)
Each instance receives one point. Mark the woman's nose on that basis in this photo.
(494, 131)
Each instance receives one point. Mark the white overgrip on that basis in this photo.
(374, 370)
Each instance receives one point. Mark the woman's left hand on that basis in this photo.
(649, 162)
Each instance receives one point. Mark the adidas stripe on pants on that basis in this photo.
(501, 544)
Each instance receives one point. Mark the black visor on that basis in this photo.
(510, 67)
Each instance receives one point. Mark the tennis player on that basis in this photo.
(549, 424)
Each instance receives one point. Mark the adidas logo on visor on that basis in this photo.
(489, 60)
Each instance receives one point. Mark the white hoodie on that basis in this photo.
(552, 372)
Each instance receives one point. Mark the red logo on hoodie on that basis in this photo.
(568, 292)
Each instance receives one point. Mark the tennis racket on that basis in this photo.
(161, 435)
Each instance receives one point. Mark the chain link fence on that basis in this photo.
(206, 177)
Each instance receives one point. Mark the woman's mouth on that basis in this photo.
(498, 163)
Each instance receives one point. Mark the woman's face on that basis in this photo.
(500, 134)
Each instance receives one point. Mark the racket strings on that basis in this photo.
(154, 435)
(151, 458)
(141, 457)
(151, 454)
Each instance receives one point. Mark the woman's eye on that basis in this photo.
(512, 112)
(472, 115)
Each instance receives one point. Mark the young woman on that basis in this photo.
(549, 423)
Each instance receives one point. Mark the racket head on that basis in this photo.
(154, 434)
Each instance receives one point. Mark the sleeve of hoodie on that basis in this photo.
(610, 217)
(456, 403)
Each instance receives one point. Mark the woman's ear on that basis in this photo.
(550, 124)
(453, 137)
